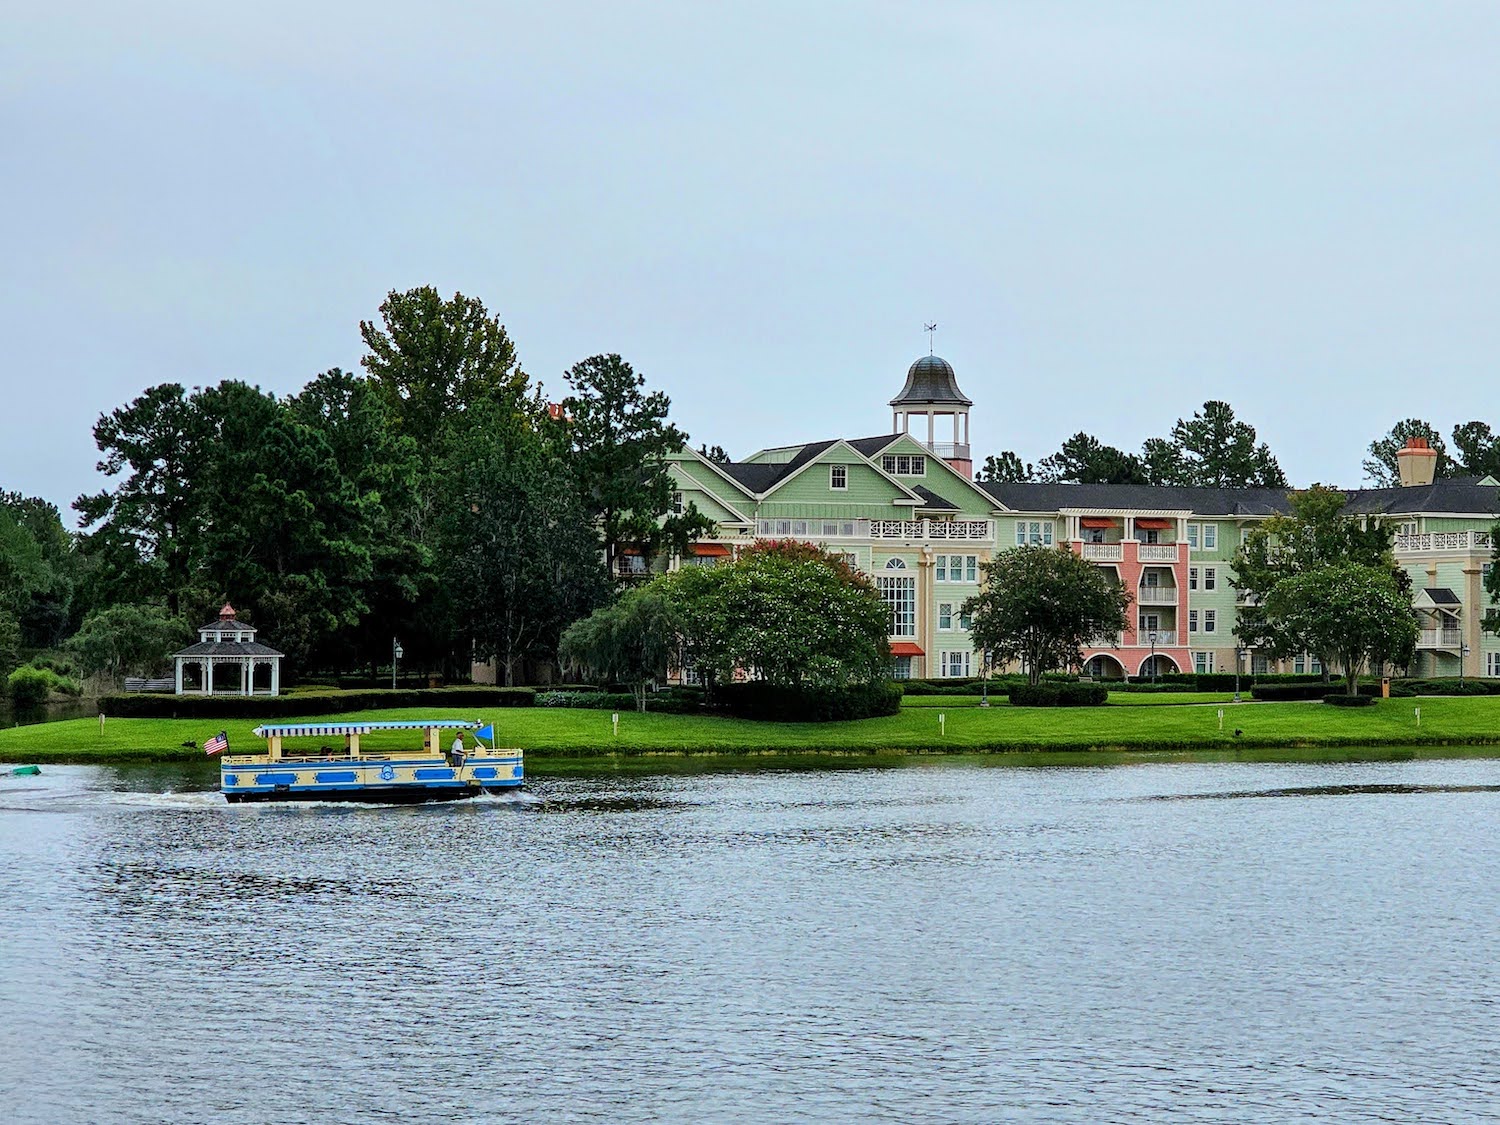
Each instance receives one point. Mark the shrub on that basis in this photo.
(145, 706)
(799, 703)
(1146, 686)
(1339, 699)
(1059, 695)
(1285, 692)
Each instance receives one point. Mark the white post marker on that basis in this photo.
(101, 724)
(615, 722)
(942, 724)
(1418, 712)
(1221, 718)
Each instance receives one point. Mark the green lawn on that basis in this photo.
(1166, 724)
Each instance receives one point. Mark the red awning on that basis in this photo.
(1096, 521)
(710, 550)
(906, 648)
(1155, 524)
(630, 551)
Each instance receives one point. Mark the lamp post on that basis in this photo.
(984, 684)
(396, 653)
(1463, 658)
(1151, 636)
(1239, 658)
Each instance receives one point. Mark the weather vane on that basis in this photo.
(930, 329)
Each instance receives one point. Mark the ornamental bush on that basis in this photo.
(803, 703)
(1059, 695)
(1286, 692)
(1339, 699)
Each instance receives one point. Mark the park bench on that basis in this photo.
(167, 685)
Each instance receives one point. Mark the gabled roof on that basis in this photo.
(932, 500)
(1438, 596)
(228, 648)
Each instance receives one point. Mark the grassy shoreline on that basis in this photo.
(561, 740)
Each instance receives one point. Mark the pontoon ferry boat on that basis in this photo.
(349, 772)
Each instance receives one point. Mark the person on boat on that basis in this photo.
(456, 754)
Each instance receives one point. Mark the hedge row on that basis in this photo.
(802, 704)
(1339, 699)
(144, 706)
(1058, 695)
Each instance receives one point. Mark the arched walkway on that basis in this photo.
(1104, 667)
(1165, 665)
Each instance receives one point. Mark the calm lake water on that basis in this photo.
(1241, 943)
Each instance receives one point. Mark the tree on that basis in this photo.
(1212, 449)
(1347, 614)
(714, 453)
(37, 569)
(1083, 459)
(1478, 450)
(1005, 468)
(125, 640)
(1042, 605)
(630, 642)
(10, 643)
(1383, 466)
(619, 438)
(519, 558)
(785, 612)
(1316, 533)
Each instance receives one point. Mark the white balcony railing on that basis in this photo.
(1441, 638)
(1157, 552)
(1165, 638)
(1103, 552)
(820, 530)
(1443, 541)
(1156, 595)
(949, 451)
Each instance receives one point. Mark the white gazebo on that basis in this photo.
(228, 642)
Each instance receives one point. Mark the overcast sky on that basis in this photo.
(1114, 211)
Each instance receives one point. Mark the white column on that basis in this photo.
(208, 675)
(275, 676)
(931, 422)
(247, 669)
(178, 663)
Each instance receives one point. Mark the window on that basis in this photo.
(1244, 535)
(1492, 664)
(1192, 621)
(955, 664)
(1210, 620)
(1259, 665)
(691, 676)
(956, 568)
(1314, 665)
(1192, 533)
(1192, 576)
(900, 596)
(1036, 533)
(1409, 527)
(677, 502)
(838, 476)
(1150, 623)
(1147, 535)
(945, 615)
(904, 465)
(1210, 577)
(1203, 662)
(1094, 535)
(1299, 665)
(895, 564)
(849, 559)
(1210, 537)
(901, 668)
(965, 622)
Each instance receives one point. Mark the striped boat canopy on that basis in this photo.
(295, 730)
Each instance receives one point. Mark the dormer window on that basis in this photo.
(838, 477)
(904, 465)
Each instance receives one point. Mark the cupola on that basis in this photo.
(931, 392)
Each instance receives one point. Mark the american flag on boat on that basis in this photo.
(217, 744)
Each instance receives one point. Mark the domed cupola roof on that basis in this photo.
(930, 381)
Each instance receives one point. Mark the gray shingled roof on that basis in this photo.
(759, 477)
(931, 499)
(228, 648)
(1441, 595)
(1459, 495)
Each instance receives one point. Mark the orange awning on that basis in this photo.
(1096, 521)
(906, 648)
(710, 550)
(1154, 524)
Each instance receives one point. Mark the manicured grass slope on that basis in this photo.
(546, 732)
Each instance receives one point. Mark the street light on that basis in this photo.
(1239, 657)
(396, 653)
(984, 684)
(1463, 658)
(1151, 636)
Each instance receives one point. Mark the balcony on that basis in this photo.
(1157, 552)
(1165, 638)
(948, 451)
(1435, 541)
(968, 530)
(1156, 595)
(1441, 638)
(1104, 552)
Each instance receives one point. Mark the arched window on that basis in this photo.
(895, 564)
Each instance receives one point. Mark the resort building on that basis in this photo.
(903, 508)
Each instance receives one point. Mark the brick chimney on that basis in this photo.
(1417, 462)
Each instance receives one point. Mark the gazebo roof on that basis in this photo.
(227, 620)
(228, 648)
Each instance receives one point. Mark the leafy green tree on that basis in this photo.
(10, 643)
(1083, 459)
(786, 612)
(1346, 613)
(1005, 468)
(145, 529)
(1212, 449)
(1315, 534)
(1382, 467)
(37, 569)
(630, 642)
(714, 453)
(619, 438)
(520, 559)
(1478, 450)
(125, 640)
(1042, 605)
